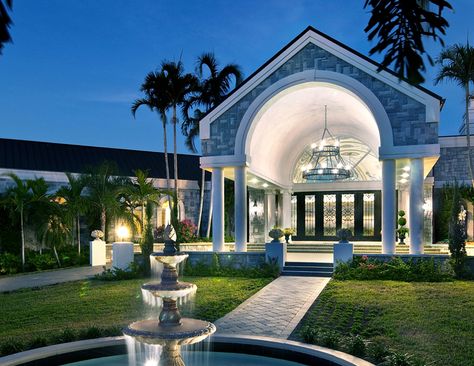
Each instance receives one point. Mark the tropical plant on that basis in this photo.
(457, 64)
(5, 22)
(156, 99)
(105, 195)
(212, 90)
(179, 88)
(141, 193)
(75, 204)
(457, 234)
(400, 27)
(16, 199)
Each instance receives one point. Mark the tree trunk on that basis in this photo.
(103, 221)
(175, 163)
(22, 239)
(201, 201)
(208, 230)
(56, 255)
(165, 149)
(78, 224)
(468, 136)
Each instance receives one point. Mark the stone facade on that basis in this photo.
(407, 116)
(452, 165)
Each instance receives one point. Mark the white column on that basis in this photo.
(240, 206)
(286, 209)
(217, 210)
(388, 206)
(269, 210)
(415, 217)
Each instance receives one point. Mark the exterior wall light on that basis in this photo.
(122, 232)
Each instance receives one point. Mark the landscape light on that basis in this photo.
(122, 232)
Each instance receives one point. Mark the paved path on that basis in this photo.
(275, 310)
(39, 279)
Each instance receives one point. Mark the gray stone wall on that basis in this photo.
(229, 259)
(452, 164)
(407, 116)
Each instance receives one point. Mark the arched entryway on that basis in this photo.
(264, 133)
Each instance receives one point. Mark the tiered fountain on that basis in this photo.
(170, 330)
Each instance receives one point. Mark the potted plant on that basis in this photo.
(344, 235)
(402, 231)
(276, 233)
(288, 231)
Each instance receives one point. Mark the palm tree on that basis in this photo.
(75, 203)
(104, 191)
(17, 198)
(401, 27)
(5, 22)
(212, 90)
(141, 193)
(457, 64)
(179, 89)
(156, 100)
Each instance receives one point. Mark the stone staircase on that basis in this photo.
(359, 248)
(305, 269)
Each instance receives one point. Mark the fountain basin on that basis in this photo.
(272, 348)
(188, 332)
(169, 259)
(160, 289)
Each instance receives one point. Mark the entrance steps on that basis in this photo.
(305, 269)
(359, 248)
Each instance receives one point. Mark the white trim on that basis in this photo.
(455, 141)
(59, 177)
(409, 151)
(224, 161)
(432, 103)
(338, 186)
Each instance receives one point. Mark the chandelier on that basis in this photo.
(326, 162)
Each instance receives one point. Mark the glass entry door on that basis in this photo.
(318, 215)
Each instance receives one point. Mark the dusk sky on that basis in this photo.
(76, 66)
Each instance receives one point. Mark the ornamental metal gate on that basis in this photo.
(318, 215)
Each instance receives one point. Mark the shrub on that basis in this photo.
(116, 274)
(11, 346)
(358, 346)
(9, 263)
(217, 269)
(421, 270)
(186, 231)
(40, 262)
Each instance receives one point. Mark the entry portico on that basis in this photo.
(262, 136)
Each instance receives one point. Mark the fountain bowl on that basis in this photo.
(188, 332)
(159, 289)
(171, 259)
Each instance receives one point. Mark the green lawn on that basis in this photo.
(433, 321)
(28, 314)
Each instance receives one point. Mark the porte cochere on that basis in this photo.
(265, 135)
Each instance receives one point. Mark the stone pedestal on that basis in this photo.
(343, 252)
(276, 251)
(97, 256)
(122, 255)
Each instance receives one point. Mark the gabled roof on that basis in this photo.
(54, 157)
(339, 44)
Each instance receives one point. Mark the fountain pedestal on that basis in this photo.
(170, 330)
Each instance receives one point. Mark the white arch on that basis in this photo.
(246, 126)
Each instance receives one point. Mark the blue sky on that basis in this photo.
(76, 66)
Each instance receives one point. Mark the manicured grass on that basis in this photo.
(28, 314)
(433, 321)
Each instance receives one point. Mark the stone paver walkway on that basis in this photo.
(275, 310)
(39, 279)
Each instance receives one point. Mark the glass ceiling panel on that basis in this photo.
(364, 162)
